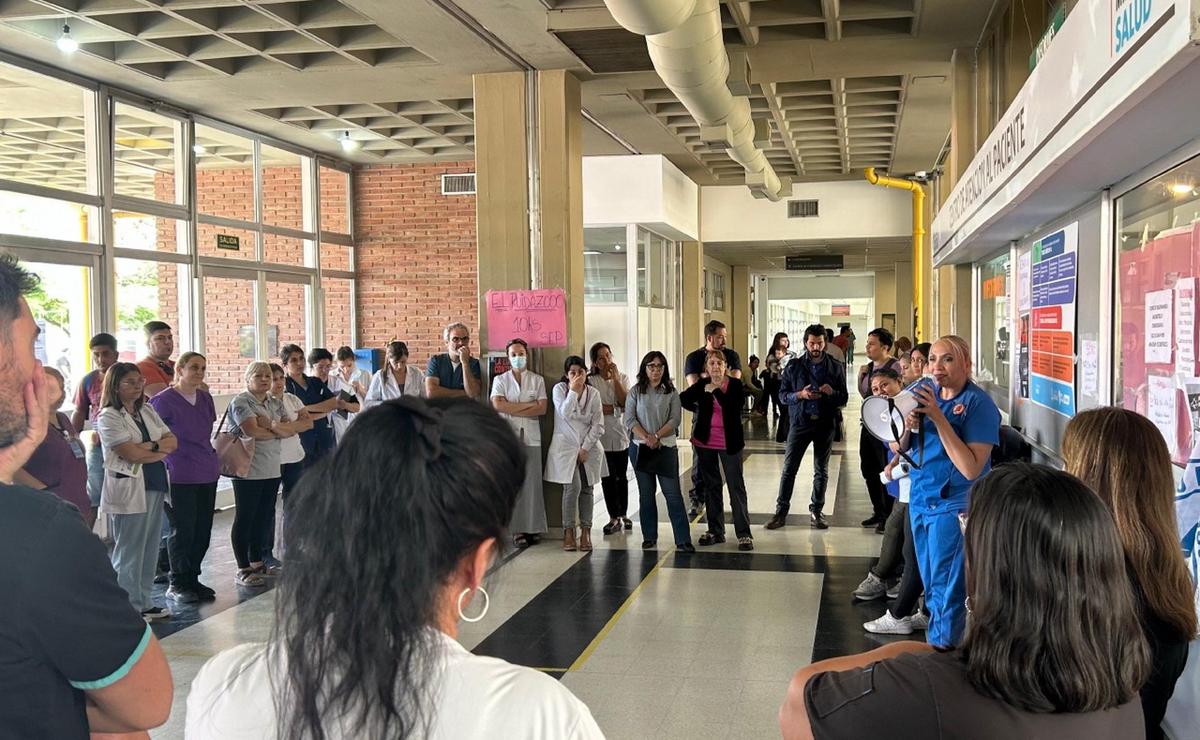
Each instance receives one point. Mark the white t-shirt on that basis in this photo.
(476, 697)
(531, 388)
(616, 437)
(290, 449)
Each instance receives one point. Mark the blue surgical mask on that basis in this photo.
(518, 362)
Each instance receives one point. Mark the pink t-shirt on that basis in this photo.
(716, 432)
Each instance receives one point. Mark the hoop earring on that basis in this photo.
(487, 603)
(967, 604)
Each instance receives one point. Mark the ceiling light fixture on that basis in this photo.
(617, 247)
(348, 144)
(1182, 188)
(199, 150)
(590, 252)
(65, 43)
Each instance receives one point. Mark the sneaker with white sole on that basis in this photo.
(889, 625)
(919, 621)
(872, 587)
(894, 589)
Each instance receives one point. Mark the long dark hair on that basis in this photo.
(1054, 626)
(109, 395)
(594, 354)
(571, 362)
(775, 342)
(356, 604)
(643, 380)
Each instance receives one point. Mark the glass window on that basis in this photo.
(706, 289)
(146, 291)
(45, 139)
(339, 296)
(718, 291)
(151, 233)
(994, 339)
(1158, 262)
(287, 316)
(226, 242)
(656, 267)
(336, 257)
(283, 201)
(605, 268)
(230, 335)
(61, 308)
(283, 250)
(47, 218)
(224, 174)
(335, 200)
(144, 154)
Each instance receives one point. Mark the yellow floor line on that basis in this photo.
(595, 643)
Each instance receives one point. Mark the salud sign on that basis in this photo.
(537, 316)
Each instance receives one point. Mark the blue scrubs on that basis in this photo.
(939, 492)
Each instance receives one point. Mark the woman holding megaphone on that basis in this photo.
(960, 425)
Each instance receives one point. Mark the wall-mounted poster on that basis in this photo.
(1053, 277)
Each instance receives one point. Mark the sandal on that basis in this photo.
(611, 527)
(248, 577)
(521, 542)
(711, 538)
(628, 522)
(745, 543)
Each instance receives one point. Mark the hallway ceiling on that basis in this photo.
(844, 83)
(770, 256)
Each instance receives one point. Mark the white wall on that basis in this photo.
(885, 296)
(642, 189)
(849, 210)
(817, 287)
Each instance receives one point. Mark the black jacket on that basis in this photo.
(731, 399)
(802, 373)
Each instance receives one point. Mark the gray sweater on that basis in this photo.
(652, 410)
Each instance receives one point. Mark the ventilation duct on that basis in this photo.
(685, 42)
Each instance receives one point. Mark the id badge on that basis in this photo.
(77, 448)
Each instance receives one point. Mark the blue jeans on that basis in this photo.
(648, 503)
(135, 550)
(95, 468)
(938, 542)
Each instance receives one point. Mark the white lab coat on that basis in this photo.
(384, 388)
(578, 425)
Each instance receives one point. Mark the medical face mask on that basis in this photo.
(518, 362)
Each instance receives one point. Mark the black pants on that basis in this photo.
(190, 514)
(252, 498)
(290, 475)
(820, 436)
(711, 463)
(784, 424)
(871, 458)
(911, 585)
(771, 386)
(616, 484)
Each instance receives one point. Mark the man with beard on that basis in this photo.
(75, 658)
(814, 388)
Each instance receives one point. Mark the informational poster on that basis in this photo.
(1185, 325)
(1161, 409)
(1159, 328)
(1023, 355)
(1089, 361)
(1024, 267)
(1052, 284)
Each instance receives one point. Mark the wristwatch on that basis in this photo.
(154, 448)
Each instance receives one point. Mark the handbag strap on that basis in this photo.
(221, 426)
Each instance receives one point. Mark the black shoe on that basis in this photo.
(817, 520)
(696, 511)
(182, 595)
(685, 547)
(628, 522)
(611, 527)
(162, 577)
(880, 528)
(745, 543)
(873, 521)
(649, 545)
(777, 521)
(204, 592)
(711, 538)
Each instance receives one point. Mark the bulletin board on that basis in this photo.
(1057, 314)
(1158, 366)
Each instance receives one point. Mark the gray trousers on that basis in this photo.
(577, 503)
(135, 550)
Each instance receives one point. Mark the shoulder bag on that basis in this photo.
(234, 450)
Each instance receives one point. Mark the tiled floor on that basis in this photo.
(658, 644)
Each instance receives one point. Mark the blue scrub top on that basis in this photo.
(975, 419)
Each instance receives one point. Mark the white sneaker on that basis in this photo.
(894, 590)
(872, 587)
(919, 621)
(889, 625)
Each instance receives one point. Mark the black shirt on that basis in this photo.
(1168, 655)
(928, 696)
(694, 363)
(65, 625)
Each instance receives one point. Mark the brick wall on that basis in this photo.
(417, 264)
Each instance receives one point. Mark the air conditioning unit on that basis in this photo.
(802, 209)
(459, 184)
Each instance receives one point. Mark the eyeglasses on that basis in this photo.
(655, 366)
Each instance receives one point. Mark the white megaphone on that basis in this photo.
(885, 417)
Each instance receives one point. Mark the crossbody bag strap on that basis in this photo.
(221, 426)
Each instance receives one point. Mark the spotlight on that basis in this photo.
(348, 144)
(66, 44)
(1181, 188)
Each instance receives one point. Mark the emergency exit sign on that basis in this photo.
(227, 241)
(815, 261)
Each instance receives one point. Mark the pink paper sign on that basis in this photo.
(537, 316)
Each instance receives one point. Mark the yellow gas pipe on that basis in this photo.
(918, 228)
